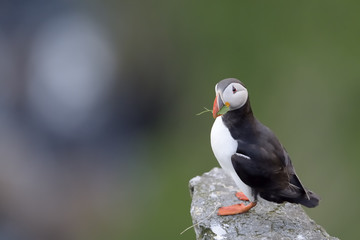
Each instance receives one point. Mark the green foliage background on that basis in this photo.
(300, 63)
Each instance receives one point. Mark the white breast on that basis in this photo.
(224, 146)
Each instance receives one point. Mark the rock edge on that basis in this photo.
(266, 221)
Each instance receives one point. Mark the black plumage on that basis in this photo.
(262, 162)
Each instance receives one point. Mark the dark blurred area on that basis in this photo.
(73, 113)
(98, 133)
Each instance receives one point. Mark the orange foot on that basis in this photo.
(235, 209)
(241, 196)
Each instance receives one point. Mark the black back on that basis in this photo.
(269, 171)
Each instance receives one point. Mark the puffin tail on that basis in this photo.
(297, 193)
(309, 200)
(293, 194)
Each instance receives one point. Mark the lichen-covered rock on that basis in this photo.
(266, 221)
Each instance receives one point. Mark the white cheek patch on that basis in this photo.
(241, 97)
(237, 99)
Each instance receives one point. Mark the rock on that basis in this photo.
(265, 221)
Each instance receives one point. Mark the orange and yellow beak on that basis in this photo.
(218, 105)
(215, 107)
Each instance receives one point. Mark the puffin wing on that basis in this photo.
(294, 179)
(260, 160)
(260, 173)
(271, 175)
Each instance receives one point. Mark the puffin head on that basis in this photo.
(229, 92)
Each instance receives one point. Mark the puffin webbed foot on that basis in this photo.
(235, 209)
(242, 196)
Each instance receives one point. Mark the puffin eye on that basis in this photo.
(234, 89)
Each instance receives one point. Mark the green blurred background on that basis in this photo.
(300, 61)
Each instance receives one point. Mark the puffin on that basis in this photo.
(251, 154)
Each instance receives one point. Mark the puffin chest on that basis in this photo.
(223, 144)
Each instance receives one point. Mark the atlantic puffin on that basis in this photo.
(251, 154)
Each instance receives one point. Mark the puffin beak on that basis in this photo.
(218, 104)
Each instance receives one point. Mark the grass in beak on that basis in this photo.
(206, 110)
(222, 111)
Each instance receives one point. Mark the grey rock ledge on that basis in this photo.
(266, 221)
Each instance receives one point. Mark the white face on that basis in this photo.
(235, 94)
